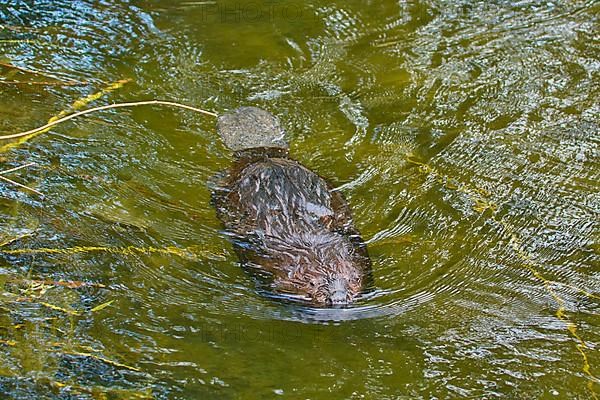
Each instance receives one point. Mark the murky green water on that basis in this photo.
(464, 135)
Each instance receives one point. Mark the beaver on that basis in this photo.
(286, 222)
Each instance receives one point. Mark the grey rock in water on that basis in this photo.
(250, 127)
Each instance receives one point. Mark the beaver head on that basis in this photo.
(321, 268)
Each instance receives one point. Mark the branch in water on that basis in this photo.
(21, 185)
(107, 107)
(2, 177)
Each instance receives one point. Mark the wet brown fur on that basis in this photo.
(287, 222)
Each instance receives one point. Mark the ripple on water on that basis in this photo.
(464, 136)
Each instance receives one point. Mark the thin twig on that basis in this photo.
(107, 107)
(20, 185)
(103, 359)
(16, 168)
(76, 106)
(14, 239)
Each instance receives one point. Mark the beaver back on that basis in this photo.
(286, 219)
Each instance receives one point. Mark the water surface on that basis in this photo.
(463, 134)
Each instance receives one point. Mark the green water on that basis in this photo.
(463, 134)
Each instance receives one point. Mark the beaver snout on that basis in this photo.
(339, 294)
(336, 291)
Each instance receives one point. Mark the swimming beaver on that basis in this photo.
(285, 220)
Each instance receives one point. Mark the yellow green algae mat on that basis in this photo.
(464, 135)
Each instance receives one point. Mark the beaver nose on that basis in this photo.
(339, 297)
(339, 293)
